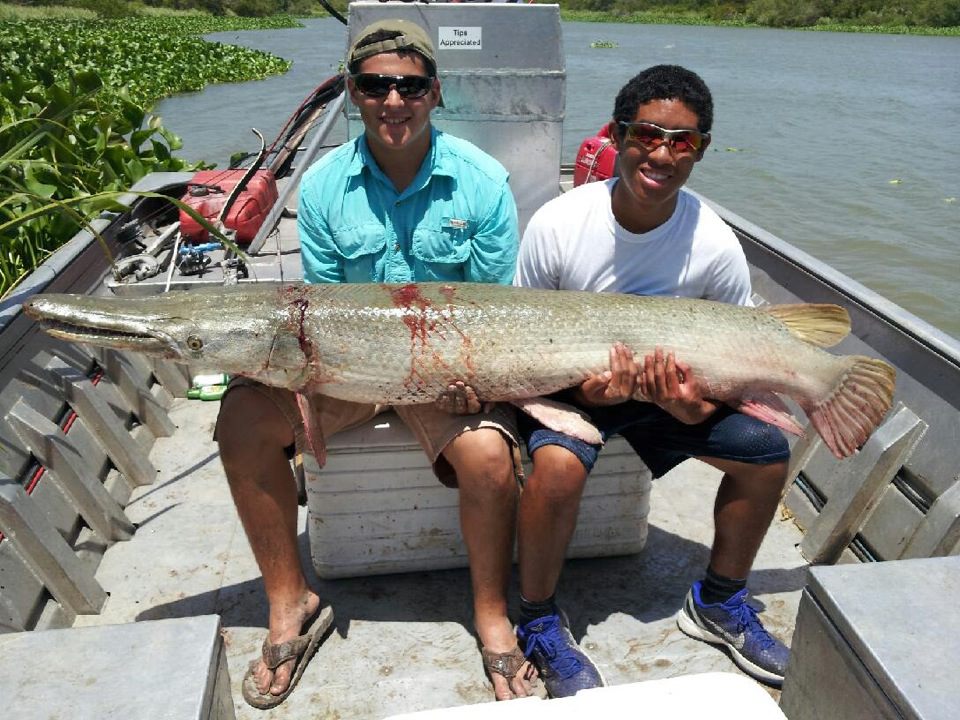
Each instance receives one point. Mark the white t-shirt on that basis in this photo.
(573, 242)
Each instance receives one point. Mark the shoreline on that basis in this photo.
(656, 18)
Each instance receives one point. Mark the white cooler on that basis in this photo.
(378, 508)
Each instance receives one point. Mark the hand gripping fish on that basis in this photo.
(405, 344)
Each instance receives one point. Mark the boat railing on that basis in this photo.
(76, 428)
(899, 497)
(288, 189)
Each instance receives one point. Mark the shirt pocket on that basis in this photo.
(449, 243)
(359, 240)
(361, 246)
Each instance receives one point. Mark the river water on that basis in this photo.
(844, 145)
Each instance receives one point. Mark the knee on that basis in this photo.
(486, 469)
(558, 476)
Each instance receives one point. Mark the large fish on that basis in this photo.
(405, 344)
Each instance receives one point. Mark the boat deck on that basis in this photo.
(404, 642)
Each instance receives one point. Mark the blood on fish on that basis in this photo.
(306, 347)
(408, 297)
(423, 323)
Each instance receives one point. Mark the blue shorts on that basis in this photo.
(662, 441)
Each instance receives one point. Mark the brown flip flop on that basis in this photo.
(300, 648)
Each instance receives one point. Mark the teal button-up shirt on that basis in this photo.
(456, 221)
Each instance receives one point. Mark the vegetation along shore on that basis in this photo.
(75, 122)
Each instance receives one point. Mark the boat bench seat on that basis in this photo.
(174, 668)
(378, 508)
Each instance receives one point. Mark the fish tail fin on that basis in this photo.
(821, 324)
(857, 404)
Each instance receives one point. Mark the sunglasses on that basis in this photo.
(650, 137)
(378, 86)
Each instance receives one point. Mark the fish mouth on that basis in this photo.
(124, 339)
(91, 328)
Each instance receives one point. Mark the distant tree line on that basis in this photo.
(791, 13)
(244, 8)
(773, 13)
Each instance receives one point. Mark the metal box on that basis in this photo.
(877, 640)
(376, 507)
(172, 669)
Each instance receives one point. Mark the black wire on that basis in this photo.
(330, 9)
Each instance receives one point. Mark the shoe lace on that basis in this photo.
(749, 624)
(555, 649)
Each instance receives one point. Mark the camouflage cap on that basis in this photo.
(411, 37)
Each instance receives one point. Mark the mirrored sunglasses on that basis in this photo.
(650, 137)
(378, 86)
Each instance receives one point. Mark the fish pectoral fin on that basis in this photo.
(560, 417)
(820, 324)
(315, 440)
(768, 406)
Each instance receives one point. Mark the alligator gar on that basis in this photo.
(405, 344)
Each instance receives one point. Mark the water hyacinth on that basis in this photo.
(75, 127)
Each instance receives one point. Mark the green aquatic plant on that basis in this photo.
(75, 126)
(60, 163)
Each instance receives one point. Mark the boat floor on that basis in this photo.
(404, 642)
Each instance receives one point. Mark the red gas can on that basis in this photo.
(209, 190)
(596, 158)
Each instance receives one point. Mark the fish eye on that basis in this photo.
(194, 343)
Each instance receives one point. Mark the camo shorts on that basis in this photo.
(662, 441)
(432, 428)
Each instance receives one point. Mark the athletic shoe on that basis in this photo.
(735, 624)
(564, 668)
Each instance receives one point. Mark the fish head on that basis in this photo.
(234, 330)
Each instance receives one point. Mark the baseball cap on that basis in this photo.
(411, 37)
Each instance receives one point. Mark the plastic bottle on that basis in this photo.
(214, 379)
(207, 392)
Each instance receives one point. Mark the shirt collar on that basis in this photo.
(438, 158)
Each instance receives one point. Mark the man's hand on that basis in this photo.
(460, 399)
(672, 385)
(614, 386)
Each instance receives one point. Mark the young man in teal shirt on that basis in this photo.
(401, 203)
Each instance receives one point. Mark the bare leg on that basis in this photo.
(548, 517)
(744, 508)
(252, 434)
(488, 502)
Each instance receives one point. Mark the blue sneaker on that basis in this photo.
(735, 624)
(563, 666)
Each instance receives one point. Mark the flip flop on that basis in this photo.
(300, 648)
(507, 664)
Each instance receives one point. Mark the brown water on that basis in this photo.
(842, 144)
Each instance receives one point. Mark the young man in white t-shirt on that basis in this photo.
(642, 233)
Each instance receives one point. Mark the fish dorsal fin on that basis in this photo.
(821, 324)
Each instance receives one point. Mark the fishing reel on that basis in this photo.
(194, 259)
